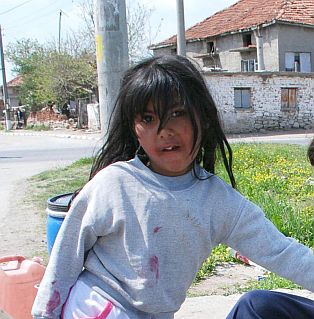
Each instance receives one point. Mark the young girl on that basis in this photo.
(153, 210)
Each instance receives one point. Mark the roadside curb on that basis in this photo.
(82, 136)
(96, 135)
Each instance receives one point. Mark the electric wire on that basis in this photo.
(37, 14)
(19, 5)
(32, 19)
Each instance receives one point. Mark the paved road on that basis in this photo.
(24, 156)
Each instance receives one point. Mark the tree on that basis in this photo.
(59, 75)
(49, 75)
(140, 34)
(27, 56)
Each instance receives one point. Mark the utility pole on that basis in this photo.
(111, 53)
(181, 46)
(60, 16)
(8, 123)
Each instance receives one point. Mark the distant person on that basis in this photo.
(138, 232)
(66, 110)
(19, 117)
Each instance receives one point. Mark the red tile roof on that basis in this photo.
(16, 81)
(246, 14)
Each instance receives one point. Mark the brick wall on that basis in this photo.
(265, 111)
(48, 117)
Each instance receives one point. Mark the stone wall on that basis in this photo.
(265, 111)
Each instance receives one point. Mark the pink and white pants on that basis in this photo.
(85, 303)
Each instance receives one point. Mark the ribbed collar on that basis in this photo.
(173, 183)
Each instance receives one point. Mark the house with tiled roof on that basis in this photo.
(273, 37)
(279, 34)
(13, 91)
(13, 87)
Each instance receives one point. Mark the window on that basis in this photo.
(242, 98)
(173, 51)
(298, 62)
(210, 47)
(247, 39)
(288, 98)
(248, 65)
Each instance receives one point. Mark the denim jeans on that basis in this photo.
(263, 304)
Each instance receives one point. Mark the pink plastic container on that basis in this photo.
(19, 279)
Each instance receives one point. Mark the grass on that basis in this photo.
(269, 282)
(58, 181)
(30, 127)
(273, 176)
(37, 127)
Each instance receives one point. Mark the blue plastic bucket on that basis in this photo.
(57, 207)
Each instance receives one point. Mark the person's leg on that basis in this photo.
(263, 304)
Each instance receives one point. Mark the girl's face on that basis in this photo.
(169, 151)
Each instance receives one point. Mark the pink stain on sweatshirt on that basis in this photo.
(54, 302)
(154, 266)
(156, 229)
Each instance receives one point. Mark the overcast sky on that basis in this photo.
(39, 19)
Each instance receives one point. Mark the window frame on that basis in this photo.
(247, 39)
(248, 62)
(242, 105)
(289, 101)
(210, 46)
(298, 62)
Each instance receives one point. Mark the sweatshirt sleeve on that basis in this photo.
(75, 238)
(258, 239)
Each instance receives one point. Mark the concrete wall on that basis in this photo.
(13, 97)
(295, 39)
(270, 48)
(265, 112)
(230, 61)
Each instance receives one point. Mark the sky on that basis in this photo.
(39, 19)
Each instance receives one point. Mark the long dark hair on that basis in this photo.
(164, 81)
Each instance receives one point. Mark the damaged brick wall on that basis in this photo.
(49, 117)
(267, 110)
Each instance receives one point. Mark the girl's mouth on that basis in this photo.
(171, 148)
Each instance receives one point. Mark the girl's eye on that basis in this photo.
(178, 113)
(147, 118)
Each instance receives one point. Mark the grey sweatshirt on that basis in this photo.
(141, 238)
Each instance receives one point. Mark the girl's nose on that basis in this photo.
(166, 132)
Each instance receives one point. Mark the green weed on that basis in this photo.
(38, 127)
